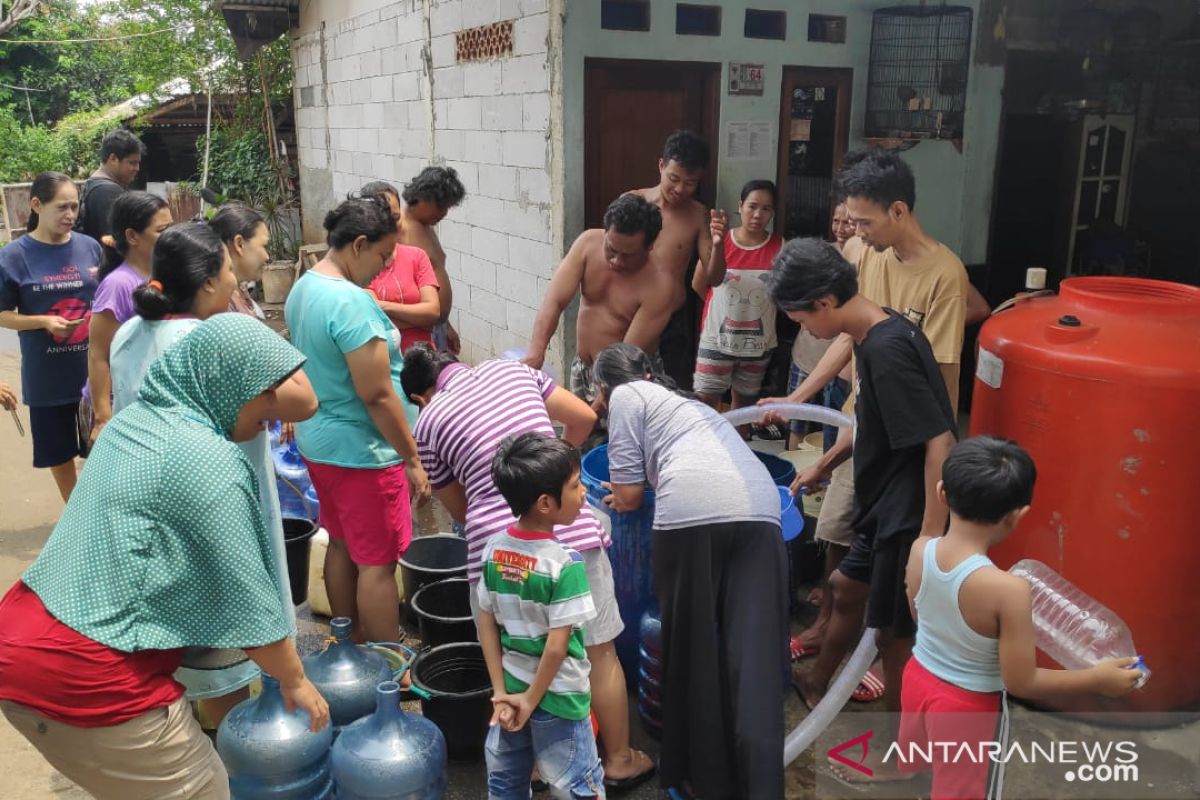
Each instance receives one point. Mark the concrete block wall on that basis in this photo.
(380, 94)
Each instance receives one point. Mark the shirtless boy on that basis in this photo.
(626, 295)
(685, 223)
(427, 199)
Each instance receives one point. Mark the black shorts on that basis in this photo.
(55, 433)
(882, 566)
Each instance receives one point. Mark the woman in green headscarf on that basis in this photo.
(162, 547)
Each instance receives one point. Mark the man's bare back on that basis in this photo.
(684, 232)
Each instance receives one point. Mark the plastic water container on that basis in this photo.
(650, 672)
(347, 675)
(292, 482)
(271, 754)
(390, 755)
(1072, 627)
(630, 555)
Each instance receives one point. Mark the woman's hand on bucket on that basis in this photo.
(304, 695)
(418, 481)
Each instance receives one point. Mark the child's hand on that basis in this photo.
(1115, 677)
(523, 706)
(504, 711)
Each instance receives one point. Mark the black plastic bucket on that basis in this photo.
(297, 536)
(459, 689)
(430, 559)
(443, 610)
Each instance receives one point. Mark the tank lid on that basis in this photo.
(1127, 294)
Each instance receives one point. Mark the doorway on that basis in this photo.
(814, 131)
(630, 107)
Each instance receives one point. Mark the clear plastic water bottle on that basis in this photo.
(1072, 627)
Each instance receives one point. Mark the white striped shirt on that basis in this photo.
(458, 433)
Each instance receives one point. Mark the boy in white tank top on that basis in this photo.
(975, 635)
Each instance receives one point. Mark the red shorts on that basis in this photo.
(934, 710)
(368, 509)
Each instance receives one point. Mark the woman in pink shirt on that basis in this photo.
(407, 289)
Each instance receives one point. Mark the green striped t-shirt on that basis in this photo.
(532, 584)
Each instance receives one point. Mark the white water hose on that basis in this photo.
(804, 734)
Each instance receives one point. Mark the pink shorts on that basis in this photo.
(368, 509)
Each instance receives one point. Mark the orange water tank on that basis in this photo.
(1101, 384)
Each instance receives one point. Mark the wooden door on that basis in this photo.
(814, 130)
(630, 107)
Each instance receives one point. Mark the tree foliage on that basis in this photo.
(176, 46)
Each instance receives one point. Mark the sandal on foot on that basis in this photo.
(869, 689)
(801, 650)
(768, 433)
(630, 782)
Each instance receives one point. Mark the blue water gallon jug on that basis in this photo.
(312, 503)
(650, 671)
(271, 754)
(292, 481)
(346, 675)
(630, 555)
(390, 755)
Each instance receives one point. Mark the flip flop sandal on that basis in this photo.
(631, 782)
(800, 650)
(768, 433)
(869, 689)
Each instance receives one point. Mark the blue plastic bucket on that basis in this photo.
(783, 472)
(791, 519)
(630, 555)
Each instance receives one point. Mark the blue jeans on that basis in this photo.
(565, 753)
(833, 395)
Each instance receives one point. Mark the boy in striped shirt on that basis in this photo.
(533, 602)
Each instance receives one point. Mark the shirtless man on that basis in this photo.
(427, 199)
(627, 296)
(684, 233)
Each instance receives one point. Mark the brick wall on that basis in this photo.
(379, 95)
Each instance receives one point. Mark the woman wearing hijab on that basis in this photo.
(160, 549)
(193, 279)
(720, 573)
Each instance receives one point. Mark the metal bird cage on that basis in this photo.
(917, 84)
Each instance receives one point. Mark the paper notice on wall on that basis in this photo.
(990, 368)
(747, 141)
(801, 130)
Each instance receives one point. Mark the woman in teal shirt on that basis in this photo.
(162, 547)
(359, 447)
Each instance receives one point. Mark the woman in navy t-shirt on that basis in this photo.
(47, 279)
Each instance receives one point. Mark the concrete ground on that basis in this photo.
(29, 507)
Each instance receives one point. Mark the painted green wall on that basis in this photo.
(954, 189)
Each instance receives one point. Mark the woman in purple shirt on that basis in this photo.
(137, 220)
